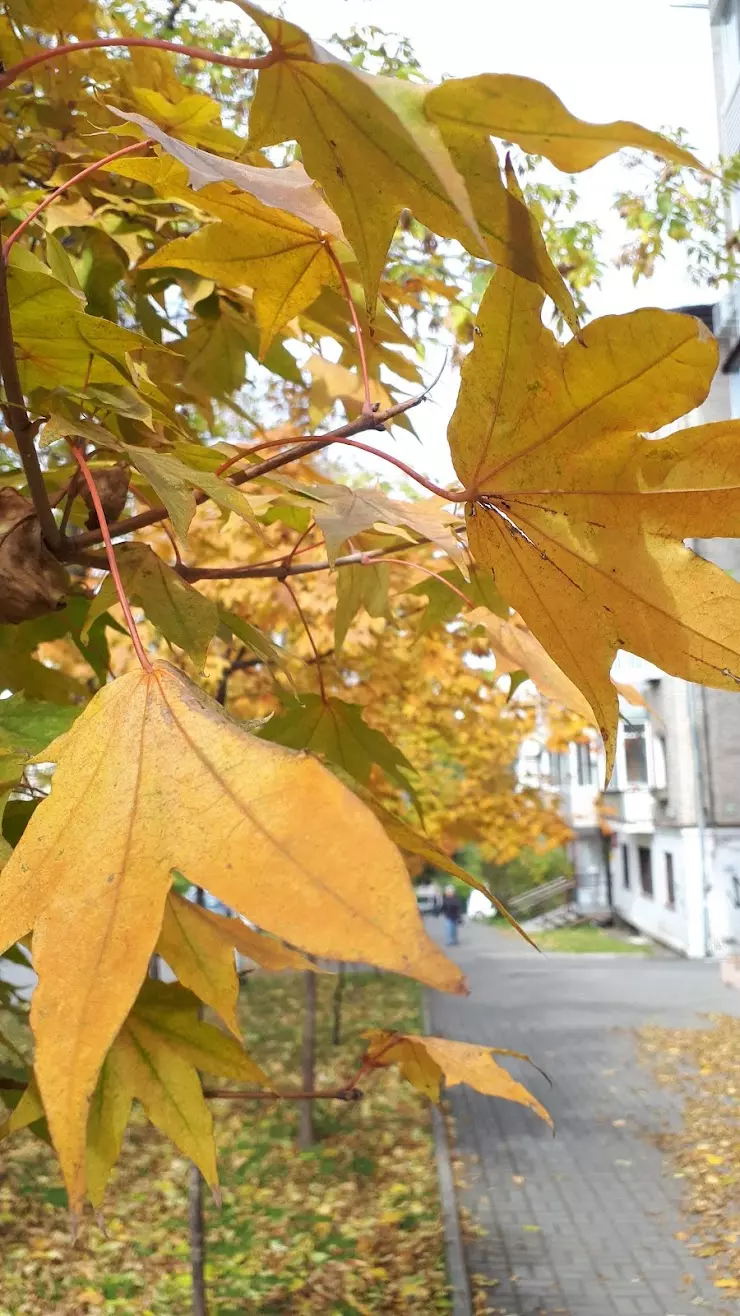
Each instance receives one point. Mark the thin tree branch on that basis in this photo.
(152, 43)
(350, 1093)
(359, 426)
(452, 495)
(311, 640)
(19, 422)
(261, 571)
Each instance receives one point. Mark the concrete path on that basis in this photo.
(581, 1224)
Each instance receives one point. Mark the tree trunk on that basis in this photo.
(197, 1243)
(196, 1219)
(305, 1116)
(336, 1032)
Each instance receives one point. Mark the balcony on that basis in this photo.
(637, 806)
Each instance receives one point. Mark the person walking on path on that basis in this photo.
(452, 912)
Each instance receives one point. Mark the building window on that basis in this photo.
(670, 883)
(625, 866)
(584, 763)
(635, 755)
(646, 870)
(559, 769)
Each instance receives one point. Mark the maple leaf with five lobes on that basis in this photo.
(426, 1061)
(581, 517)
(153, 776)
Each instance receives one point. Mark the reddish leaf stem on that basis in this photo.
(311, 640)
(153, 43)
(368, 407)
(113, 565)
(450, 495)
(59, 191)
(71, 550)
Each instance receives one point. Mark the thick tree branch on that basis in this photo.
(156, 514)
(19, 422)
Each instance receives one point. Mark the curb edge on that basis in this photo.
(457, 1270)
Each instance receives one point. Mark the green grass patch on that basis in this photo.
(583, 939)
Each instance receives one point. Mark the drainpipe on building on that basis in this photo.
(700, 812)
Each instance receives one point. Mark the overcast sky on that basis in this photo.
(647, 60)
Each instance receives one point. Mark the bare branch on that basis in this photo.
(281, 570)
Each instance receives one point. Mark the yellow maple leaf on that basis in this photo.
(582, 518)
(426, 1061)
(286, 261)
(152, 777)
(155, 1058)
(371, 145)
(527, 112)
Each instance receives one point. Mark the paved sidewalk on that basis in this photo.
(583, 1223)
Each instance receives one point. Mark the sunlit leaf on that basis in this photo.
(574, 511)
(525, 111)
(264, 829)
(426, 1061)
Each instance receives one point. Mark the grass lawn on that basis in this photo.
(351, 1228)
(584, 939)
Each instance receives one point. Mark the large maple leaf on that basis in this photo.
(581, 517)
(152, 777)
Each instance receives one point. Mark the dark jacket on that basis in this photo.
(452, 908)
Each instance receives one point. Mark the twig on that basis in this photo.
(311, 640)
(358, 426)
(349, 1093)
(451, 495)
(261, 570)
(368, 407)
(19, 422)
(152, 43)
(112, 564)
(64, 187)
